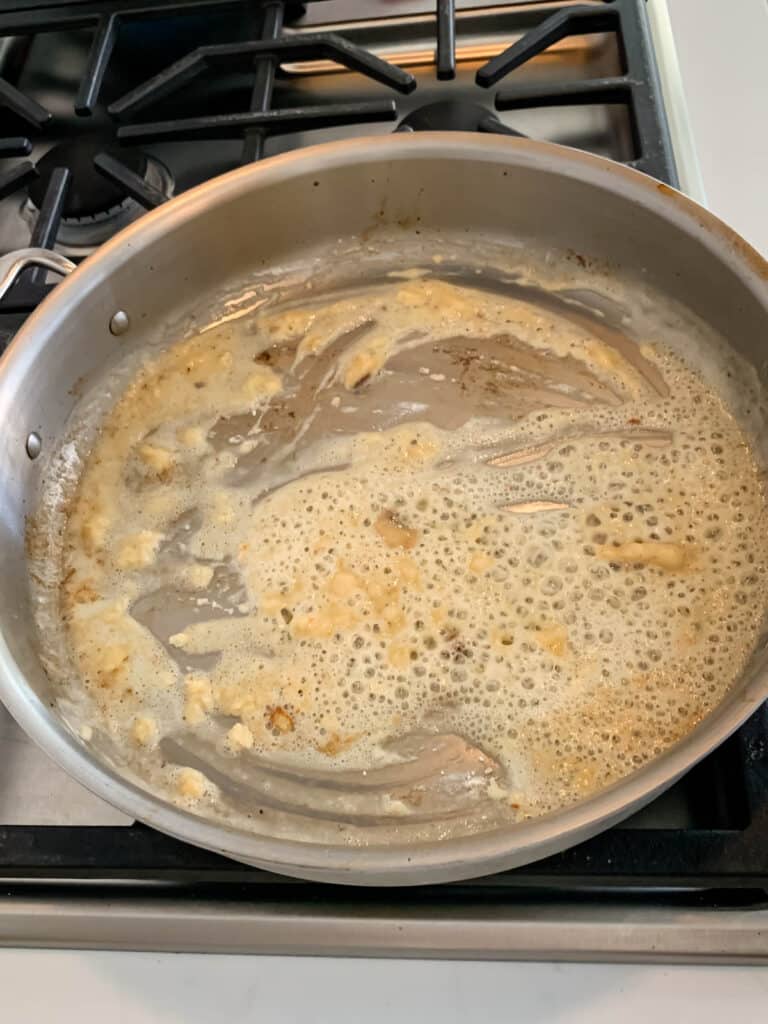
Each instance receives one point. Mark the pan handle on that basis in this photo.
(12, 264)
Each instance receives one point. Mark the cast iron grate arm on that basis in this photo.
(263, 84)
(134, 186)
(260, 118)
(637, 88)
(101, 50)
(446, 39)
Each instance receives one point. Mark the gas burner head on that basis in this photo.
(95, 207)
(454, 116)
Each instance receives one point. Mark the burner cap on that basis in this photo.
(89, 193)
(454, 116)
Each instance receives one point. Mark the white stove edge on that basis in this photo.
(711, 57)
(675, 103)
(138, 988)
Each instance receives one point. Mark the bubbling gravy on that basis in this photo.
(422, 505)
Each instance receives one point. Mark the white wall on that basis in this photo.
(722, 48)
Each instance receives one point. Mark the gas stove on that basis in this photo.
(109, 108)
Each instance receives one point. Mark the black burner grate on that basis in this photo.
(261, 46)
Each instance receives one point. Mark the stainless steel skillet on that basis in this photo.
(268, 214)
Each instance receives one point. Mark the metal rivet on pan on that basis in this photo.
(120, 322)
(34, 445)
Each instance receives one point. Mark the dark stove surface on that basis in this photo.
(122, 103)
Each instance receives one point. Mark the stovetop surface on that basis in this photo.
(705, 841)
